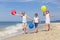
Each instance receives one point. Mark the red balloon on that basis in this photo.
(13, 12)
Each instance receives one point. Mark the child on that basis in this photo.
(24, 20)
(36, 21)
(47, 20)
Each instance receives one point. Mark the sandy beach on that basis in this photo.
(53, 34)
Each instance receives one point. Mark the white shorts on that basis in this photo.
(24, 24)
(47, 21)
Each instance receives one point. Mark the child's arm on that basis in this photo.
(39, 20)
(51, 15)
(18, 15)
(29, 18)
(44, 13)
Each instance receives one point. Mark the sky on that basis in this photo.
(30, 7)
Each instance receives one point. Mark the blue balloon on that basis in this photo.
(31, 25)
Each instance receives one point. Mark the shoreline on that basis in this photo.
(53, 25)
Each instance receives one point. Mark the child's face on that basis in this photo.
(47, 12)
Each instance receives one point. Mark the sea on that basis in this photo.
(10, 28)
(8, 24)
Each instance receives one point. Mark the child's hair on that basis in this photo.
(36, 14)
(23, 13)
(47, 11)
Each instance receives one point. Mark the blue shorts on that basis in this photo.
(36, 25)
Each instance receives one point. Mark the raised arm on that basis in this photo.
(51, 15)
(18, 15)
(44, 13)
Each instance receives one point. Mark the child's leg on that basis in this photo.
(36, 29)
(48, 27)
(24, 28)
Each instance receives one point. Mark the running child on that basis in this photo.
(24, 20)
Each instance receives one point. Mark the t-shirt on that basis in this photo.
(36, 19)
(24, 19)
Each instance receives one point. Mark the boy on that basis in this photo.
(36, 21)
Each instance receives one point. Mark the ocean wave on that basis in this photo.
(11, 30)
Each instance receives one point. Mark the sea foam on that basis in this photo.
(10, 30)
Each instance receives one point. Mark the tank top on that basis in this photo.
(24, 19)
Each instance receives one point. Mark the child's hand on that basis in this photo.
(32, 20)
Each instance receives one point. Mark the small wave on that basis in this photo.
(11, 30)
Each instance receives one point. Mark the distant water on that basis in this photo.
(7, 24)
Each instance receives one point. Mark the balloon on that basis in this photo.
(31, 25)
(43, 8)
(13, 12)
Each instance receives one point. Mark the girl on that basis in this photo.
(24, 20)
(47, 14)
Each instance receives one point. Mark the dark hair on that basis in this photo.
(36, 14)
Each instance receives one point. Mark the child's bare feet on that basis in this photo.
(48, 29)
(36, 31)
(25, 32)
